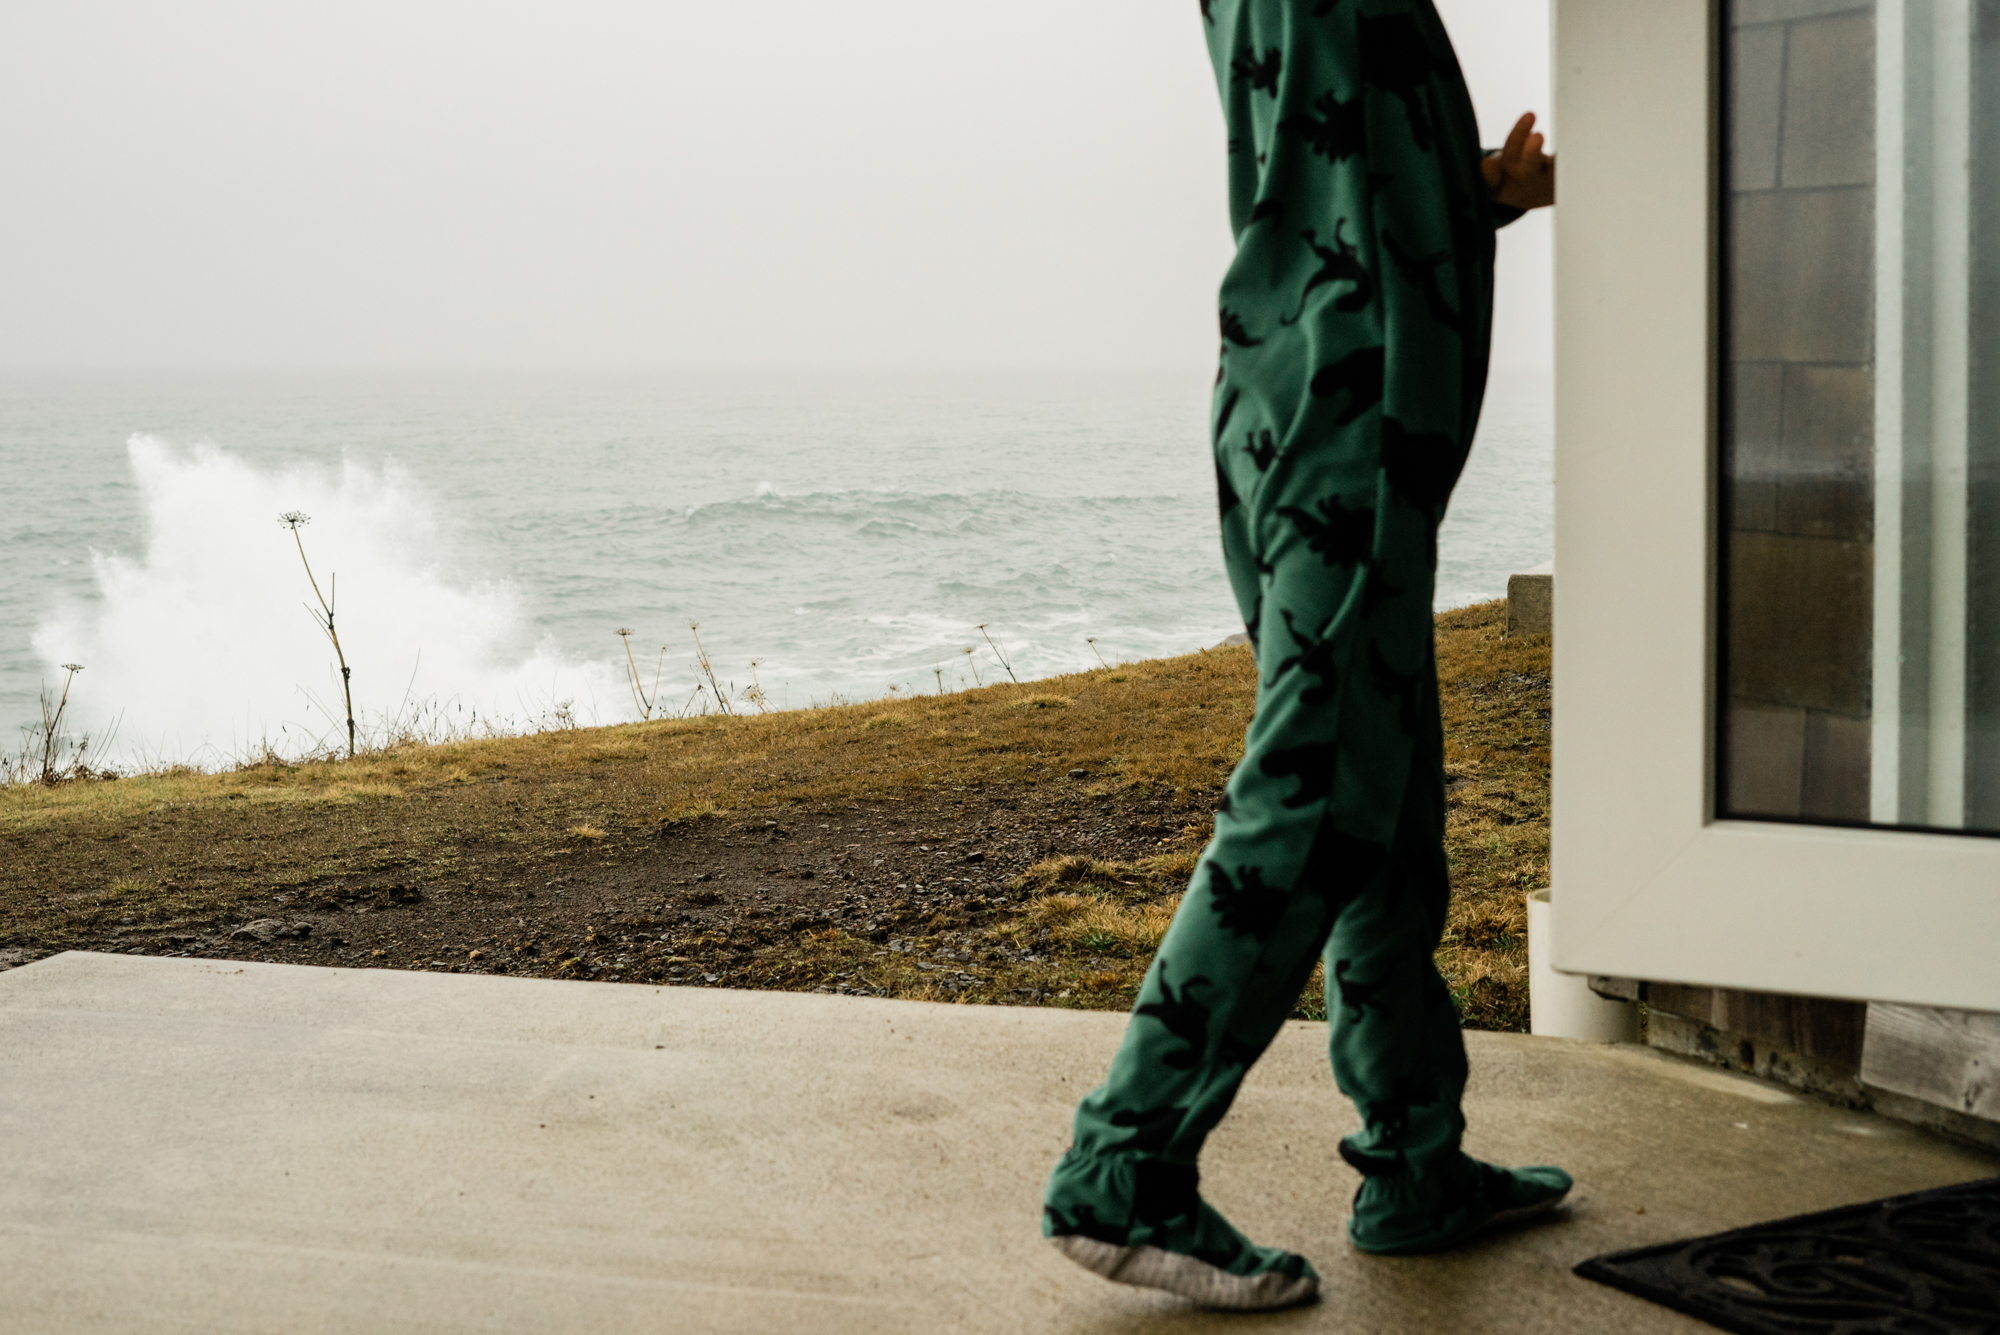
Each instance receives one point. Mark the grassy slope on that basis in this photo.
(184, 850)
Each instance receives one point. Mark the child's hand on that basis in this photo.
(1520, 175)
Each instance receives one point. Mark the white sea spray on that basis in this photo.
(200, 640)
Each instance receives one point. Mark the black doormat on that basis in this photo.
(1927, 1264)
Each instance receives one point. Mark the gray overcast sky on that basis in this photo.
(642, 182)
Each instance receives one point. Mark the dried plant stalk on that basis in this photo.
(708, 669)
(997, 654)
(296, 520)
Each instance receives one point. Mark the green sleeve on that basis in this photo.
(1502, 213)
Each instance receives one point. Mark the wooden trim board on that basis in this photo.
(1944, 1057)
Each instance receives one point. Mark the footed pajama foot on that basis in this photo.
(1143, 1222)
(1399, 1217)
(1289, 1282)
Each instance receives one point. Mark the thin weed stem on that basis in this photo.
(296, 520)
(638, 688)
(999, 655)
(755, 695)
(52, 727)
(708, 669)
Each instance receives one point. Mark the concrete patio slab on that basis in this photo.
(194, 1145)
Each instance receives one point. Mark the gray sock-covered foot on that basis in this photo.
(1142, 1221)
(1200, 1282)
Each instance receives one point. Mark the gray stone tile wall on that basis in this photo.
(1835, 779)
(1829, 131)
(1767, 751)
(1794, 605)
(1826, 487)
(1799, 439)
(1745, 12)
(1756, 106)
(1802, 275)
(1755, 437)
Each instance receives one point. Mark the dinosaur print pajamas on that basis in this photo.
(1355, 328)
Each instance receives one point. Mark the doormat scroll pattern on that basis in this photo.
(1925, 1264)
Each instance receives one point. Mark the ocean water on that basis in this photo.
(489, 534)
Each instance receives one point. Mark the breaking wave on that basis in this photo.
(203, 640)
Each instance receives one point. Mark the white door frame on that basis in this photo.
(1647, 882)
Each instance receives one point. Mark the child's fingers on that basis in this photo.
(1517, 138)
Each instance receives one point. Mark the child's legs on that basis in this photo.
(1304, 836)
(1393, 1030)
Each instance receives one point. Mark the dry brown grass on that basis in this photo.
(183, 848)
(1104, 919)
(1495, 694)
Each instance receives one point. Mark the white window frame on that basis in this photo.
(1647, 883)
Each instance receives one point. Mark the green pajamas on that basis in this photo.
(1355, 324)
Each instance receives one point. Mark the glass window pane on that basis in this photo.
(1861, 523)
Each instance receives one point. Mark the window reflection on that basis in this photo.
(1862, 637)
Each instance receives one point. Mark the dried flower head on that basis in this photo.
(295, 519)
